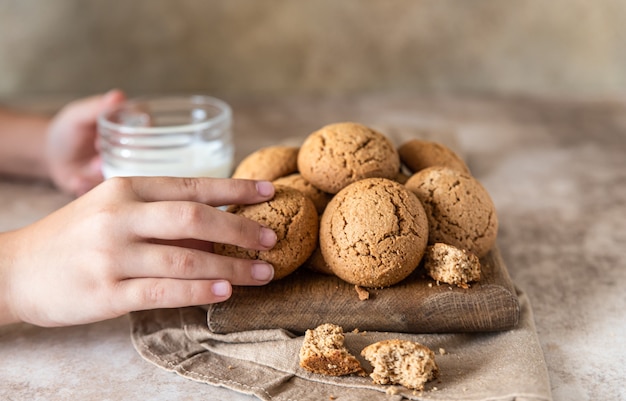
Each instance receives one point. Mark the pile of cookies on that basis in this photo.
(351, 204)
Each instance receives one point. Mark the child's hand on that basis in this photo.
(132, 244)
(73, 161)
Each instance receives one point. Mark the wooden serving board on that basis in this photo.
(304, 300)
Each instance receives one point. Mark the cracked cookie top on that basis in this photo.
(293, 217)
(339, 154)
(459, 209)
(268, 163)
(373, 233)
(297, 181)
(418, 154)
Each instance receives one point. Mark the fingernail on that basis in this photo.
(108, 94)
(221, 288)
(112, 94)
(265, 188)
(262, 271)
(267, 237)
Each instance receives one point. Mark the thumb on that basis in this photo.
(87, 110)
(112, 98)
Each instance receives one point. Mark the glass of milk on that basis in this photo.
(176, 136)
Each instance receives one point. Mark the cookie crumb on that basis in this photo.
(231, 367)
(442, 351)
(392, 391)
(332, 397)
(362, 292)
(355, 331)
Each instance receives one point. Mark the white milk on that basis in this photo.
(201, 159)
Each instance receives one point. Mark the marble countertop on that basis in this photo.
(555, 169)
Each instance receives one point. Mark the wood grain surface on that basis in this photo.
(418, 304)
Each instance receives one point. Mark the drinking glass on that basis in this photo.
(181, 136)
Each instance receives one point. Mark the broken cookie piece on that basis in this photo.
(323, 352)
(451, 265)
(407, 363)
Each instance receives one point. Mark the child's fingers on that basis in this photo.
(167, 261)
(181, 220)
(210, 191)
(153, 293)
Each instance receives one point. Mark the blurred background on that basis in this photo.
(572, 48)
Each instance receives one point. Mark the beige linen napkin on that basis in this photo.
(495, 366)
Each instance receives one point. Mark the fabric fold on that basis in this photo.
(494, 366)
